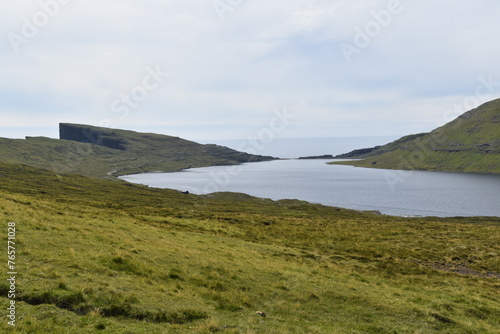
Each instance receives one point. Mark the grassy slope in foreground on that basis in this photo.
(139, 152)
(96, 256)
(470, 143)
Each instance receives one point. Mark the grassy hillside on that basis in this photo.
(97, 256)
(139, 152)
(470, 143)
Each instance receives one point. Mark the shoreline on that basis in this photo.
(223, 180)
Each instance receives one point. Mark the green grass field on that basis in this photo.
(97, 256)
(142, 152)
(470, 143)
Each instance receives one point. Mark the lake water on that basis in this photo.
(401, 193)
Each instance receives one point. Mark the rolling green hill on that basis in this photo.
(102, 256)
(103, 152)
(470, 143)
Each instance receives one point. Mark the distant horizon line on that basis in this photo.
(12, 132)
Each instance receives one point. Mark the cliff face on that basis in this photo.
(96, 136)
(116, 152)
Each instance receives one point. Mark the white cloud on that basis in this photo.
(227, 75)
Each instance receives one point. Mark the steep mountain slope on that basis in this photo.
(470, 143)
(103, 152)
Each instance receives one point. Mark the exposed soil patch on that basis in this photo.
(461, 269)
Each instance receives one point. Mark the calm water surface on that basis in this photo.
(403, 193)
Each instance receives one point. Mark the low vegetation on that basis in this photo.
(127, 152)
(470, 143)
(99, 256)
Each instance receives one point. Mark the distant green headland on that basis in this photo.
(470, 143)
(103, 152)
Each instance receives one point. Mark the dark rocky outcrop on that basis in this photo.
(326, 156)
(96, 136)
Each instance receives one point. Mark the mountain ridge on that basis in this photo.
(107, 153)
(470, 143)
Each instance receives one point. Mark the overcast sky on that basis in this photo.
(225, 69)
